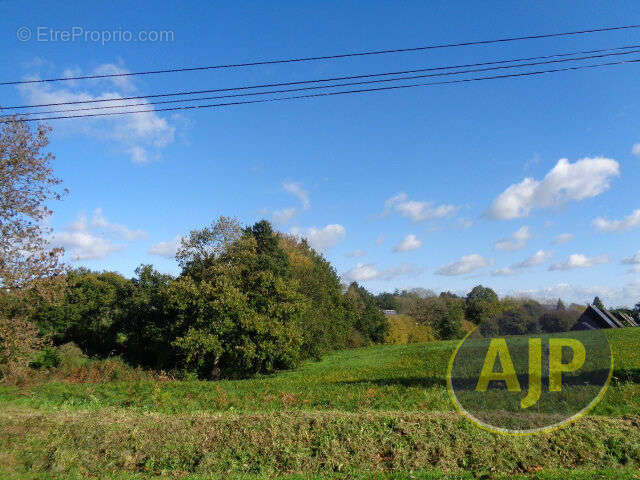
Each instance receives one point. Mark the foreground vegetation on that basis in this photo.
(380, 378)
(375, 409)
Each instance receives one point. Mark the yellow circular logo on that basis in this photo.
(527, 384)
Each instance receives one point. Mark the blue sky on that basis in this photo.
(527, 185)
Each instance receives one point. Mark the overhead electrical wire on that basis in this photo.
(325, 57)
(348, 84)
(327, 94)
(615, 51)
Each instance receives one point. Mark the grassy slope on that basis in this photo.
(372, 409)
(396, 378)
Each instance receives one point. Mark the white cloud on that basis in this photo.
(379, 240)
(408, 243)
(141, 136)
(85, 245)
(283, 216)
(467, 264)
(465, 223)
(166, 249)
(516, 241)
(416, 210)
(124, 83)
(628, 223)
(297, 191)
(636, 149)
(586, 178)
(367, 271)
(96, 239)
(99, 221)
(536, 259)
(322, 238)
(355, 254)
(562, 238)
(504, 272)
(580, 261)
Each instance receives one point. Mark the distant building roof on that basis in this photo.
(593, 319)
(389, 312)
(628, 319)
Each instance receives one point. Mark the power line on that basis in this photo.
(476, 70)
(301, 82)
(326, 57)
(328, 94)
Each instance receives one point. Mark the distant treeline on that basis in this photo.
(448, 313)
(248, 300)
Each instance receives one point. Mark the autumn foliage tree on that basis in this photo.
(27, 185)
(27, 260)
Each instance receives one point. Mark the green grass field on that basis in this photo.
(379, 410)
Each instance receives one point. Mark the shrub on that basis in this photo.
(47, 358)
(20, 340)
(71, 356)
(443, 315)
(357, 339)
(404, 330)
(466, 326)
(558, 321)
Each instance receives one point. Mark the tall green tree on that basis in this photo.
(241, 313)
(368, 320)
(482, 305)
(326, 320)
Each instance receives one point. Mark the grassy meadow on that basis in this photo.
(380, 410)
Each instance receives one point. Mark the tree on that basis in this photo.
(93, 306)
(203, 246)
(482, 305)
(326, 322)
(19, 341)
(368, 320)
(448, 295)
(146, 329)
(560, 306)
(558, 321)
(482, 293)
(241, 314)
(387, 301)
(27, 185)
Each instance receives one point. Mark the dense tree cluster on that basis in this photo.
(248, 300)
(448, 314)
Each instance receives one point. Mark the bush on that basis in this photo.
(365, 314)
(71, 356)
(558, 321)
(47, 358)
(466, 326)
(443, 315)
(20, 340)
(357, 339)
(404, 330)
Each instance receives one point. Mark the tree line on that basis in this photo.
(248, 300)
(449, 314)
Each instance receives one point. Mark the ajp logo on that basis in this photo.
(529, 384)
